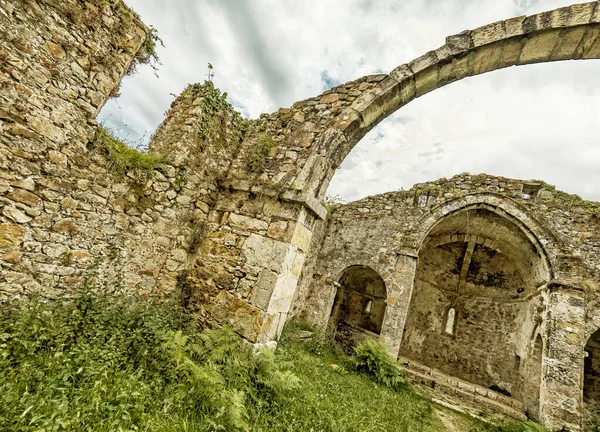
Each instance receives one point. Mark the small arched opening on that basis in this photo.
(359, 306)
(591, 381)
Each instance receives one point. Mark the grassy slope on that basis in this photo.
(106, 362)
(332, 397)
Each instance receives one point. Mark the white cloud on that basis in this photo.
(538, 121)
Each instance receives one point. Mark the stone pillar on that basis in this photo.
(271, 241)
(399, 295)
(561, 391)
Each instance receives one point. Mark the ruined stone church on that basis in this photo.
(486, 287)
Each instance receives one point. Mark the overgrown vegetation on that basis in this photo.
(258, 155)
(123, 158)
(110, 362)
(147, 53)
(330, 200)
(106, 361)
(373, 358)
(89, 15)
(573, 200)
(216, 114)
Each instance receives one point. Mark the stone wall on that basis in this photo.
(232, 219)
(529, 248)
(66, 215)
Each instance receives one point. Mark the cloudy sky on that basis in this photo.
(529, 122)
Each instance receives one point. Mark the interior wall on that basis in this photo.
(480, 350)
(484, 270)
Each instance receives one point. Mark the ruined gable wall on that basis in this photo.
(568, 229)
(568, 226)
(65, 214)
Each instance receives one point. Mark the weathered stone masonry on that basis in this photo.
(234, 221)
(517, 262)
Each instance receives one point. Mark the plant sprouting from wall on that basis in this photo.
(257, 157)
(219, 122)
(123, 158)
(147, 53)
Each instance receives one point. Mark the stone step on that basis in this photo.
(462, 394)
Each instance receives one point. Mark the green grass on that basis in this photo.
(106, 361)
(334, 397)
(123, 158)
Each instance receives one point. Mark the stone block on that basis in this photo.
(264, 252)
(25, 197)
(487, 58)
(596, 15)
(16, 215)
(488, 34)
(590, 43)
(245, 319)
(426, 81)
(568, 42)
(247, 223)
(263, 289)
(301, 237)
(581, 14)
(285, 288)
(330, 98)
(460, 42)
(514, 26)
(12, 257)
(424, 62)
(539, 47)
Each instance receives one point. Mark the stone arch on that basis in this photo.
(568, 33)
(544, 241)
(359, 307)
(480, 257)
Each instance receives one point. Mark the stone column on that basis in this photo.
(561, 391)
(399, 295)
(269, 262)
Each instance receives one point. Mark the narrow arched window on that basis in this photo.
(450, 318)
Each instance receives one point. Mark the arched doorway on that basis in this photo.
(591, 382)
(359, 306)
(476, 305)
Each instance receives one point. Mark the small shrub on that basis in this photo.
(147, 53)
(258, 156)
(373, 358)
(123, 158)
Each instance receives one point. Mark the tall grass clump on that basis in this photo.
(122, 157)
(103, 361)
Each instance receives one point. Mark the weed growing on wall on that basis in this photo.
(258, 156)
(123, 158)
(215, 112)
(147, 53)
(573, 200)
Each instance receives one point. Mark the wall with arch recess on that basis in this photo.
(532, 273)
